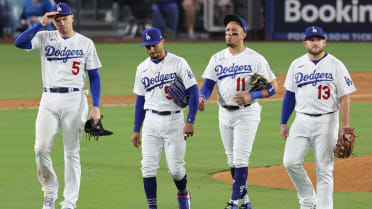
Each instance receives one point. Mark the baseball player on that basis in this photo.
(65, 58)
(163, 120)
(317, 86)
(239, 111)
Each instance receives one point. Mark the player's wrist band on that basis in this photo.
(256, 94)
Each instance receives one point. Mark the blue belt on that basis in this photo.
(61, 90)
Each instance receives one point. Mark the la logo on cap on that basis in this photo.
(59, 8)
(148, 37)
(315, 30)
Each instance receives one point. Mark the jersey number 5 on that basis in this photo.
(166, 89)
(324, 92)
(75, 65)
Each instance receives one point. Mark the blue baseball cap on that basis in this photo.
(236, 18)
(151, 36)
(63, 9)
(314, 31)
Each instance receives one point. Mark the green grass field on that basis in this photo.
(111, 177)
(21, 72)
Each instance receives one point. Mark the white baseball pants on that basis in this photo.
(320, 133)
(238, 131)
(67, 111)
(163, 132)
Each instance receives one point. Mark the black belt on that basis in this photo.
(318, 115)
(236, 107)
(163, 113)
(60, 90)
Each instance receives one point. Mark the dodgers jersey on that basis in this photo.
(153, 81)
(318, 88)
(232, 73)
(65, 61)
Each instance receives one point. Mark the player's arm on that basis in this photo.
(345, 111)
(23, 41)
(95, 89)
(289, 102)
(139, 116)
(205, 93)
(193, 108)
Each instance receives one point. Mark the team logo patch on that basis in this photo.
(59, 8)
(348, 81)
(315, 30)
(148, 37)
(190, 74)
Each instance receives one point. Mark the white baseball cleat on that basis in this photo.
(49, 203)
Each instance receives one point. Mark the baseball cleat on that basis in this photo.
(184, 200)
(49, 203)
(231, 206)
(246, 206)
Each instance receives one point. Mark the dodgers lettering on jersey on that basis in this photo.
(318, 88)
(64, 61)
(232, 73)
(233, 70)
(153, 81)
(158, 81)
(51, 53)
(313, 78)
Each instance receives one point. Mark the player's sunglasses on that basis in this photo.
(232, 34)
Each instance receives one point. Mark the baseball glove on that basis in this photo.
(258, 82)
(345, 143)
(179, 93)
(95, 130)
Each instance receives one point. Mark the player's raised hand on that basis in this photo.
(242, 98)
(95, 114)
(284, 131)
(136, 139)
(188, 130)
(48, 18)
(202, 102)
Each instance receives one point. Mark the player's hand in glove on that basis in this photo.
(345, 143)
(95, 130)
(136, 139)
(179, 93)
(95, 114)
(258, 82)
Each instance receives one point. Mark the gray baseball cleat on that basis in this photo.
(231, 206)
(49, 203)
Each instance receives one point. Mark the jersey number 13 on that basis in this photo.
(324, 92)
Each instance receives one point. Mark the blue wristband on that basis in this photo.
(256, 95)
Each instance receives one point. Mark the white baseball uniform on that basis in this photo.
(232, 75)
(64, 64)
(318, 89)
(162, 131)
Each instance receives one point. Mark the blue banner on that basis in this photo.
(342, 20)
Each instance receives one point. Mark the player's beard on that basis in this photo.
(315, 52)
(231, 45)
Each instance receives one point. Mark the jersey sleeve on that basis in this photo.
(209, 72)
(263, 68)
(93, 61)
(345, 84)
(186, 74)
(288, 83)
(37, 40)
(138, 87)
